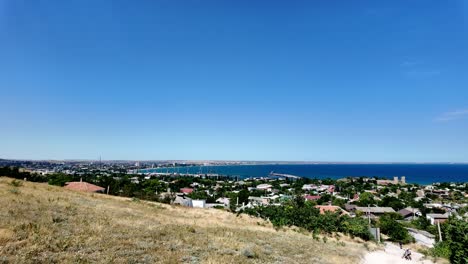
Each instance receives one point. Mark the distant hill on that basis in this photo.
(48, 224)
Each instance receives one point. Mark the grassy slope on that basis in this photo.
(47, 224)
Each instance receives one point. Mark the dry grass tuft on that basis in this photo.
(48, 224)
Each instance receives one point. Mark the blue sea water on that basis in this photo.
(415, 173)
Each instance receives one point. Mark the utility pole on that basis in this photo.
(368, 213)
(440, 233)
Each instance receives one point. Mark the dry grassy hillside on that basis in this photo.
(47, 224)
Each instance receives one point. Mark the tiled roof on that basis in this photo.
(83, 187)
(330, 208)
(186, 190)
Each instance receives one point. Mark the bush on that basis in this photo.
(356, 227)
(16, 183)
(441, 249)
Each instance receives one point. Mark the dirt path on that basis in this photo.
(392, 255)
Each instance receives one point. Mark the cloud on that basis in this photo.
(450, 116)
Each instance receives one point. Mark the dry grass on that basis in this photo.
(47, 224)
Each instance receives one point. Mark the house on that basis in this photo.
(309, 197)
(195, 184)
(83, 187)
(437, 218)
(441, 193)
(135, 180)
(254, 200)
(350, 207)
(375, 211)
(264, 186)
(420, 193)
(182, 200)
(395, 181)
(199, 203)
(186, 190)
(240, 183)
(409, 213)
(309, 187)
(432, 205)
(331, 208)
(385, 182)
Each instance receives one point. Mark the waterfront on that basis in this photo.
(415, 173)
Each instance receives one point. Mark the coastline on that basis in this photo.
(415, 173)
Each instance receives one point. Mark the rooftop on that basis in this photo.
(83, 187)
(376, 210)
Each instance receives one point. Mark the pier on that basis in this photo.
(273, 174)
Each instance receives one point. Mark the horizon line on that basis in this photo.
(253, 161)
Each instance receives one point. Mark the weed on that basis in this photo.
(16, 183)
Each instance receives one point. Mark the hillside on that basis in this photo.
(40, 223)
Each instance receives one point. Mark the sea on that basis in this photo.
(414, 173)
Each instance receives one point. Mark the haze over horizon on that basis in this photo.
(167, 80)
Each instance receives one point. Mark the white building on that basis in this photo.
(264, 186)
(199, 203)
(437, 218)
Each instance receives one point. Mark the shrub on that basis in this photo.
(16, 183)
(356, 227)
(441, 249)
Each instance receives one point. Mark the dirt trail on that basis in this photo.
(393, 255)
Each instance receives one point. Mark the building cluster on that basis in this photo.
(353, 196)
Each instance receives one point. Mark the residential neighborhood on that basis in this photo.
(367, 207)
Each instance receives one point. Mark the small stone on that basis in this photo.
(248, 252)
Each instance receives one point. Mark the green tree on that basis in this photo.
(456, 236)
(366, 199)
(389, 201)
(390, 226)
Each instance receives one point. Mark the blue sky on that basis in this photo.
(237, 80)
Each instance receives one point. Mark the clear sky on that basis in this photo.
(238, 80)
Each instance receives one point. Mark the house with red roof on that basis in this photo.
(330, 208)
(186, 190)
(82, 186)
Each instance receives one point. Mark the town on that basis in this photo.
(367, 207)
